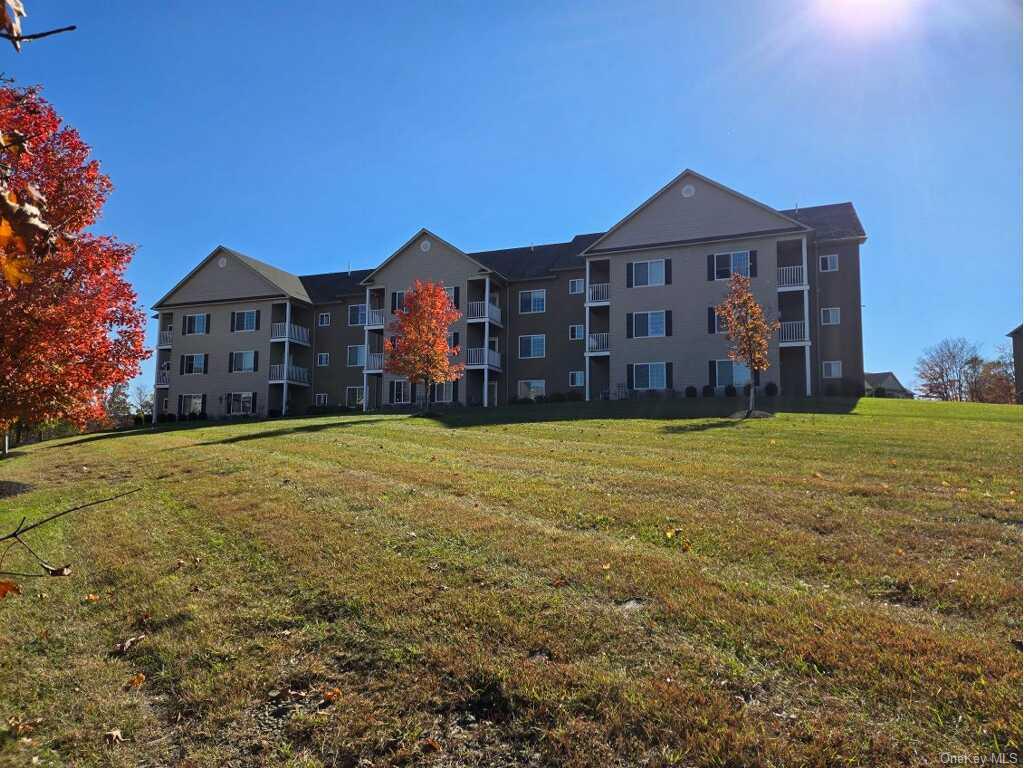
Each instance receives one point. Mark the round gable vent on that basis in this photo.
(222, 262)
(688, 190)
(425, 246)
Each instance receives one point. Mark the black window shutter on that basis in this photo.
(232, 322)
(394, 302)
(711, 319)
(713, 373)
(629, 274)
(455, 339)
(206, 362)
(391, 390)
(207, 322)
(256, 360)
(202, 404)
(629, 376)
(668, 376)
(181, 366)
(231, 362)
(711, 266)
(668, 322)
(179, 405)
(456, 297)
(412, 392)
(753, 263)
(757, 378)
(668, 271)
(455, 390)
(257, 319)
(254, 403)
(629, 325)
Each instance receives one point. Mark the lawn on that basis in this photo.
(621, 584)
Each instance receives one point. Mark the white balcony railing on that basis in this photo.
(598, 292)
(480, 310)
(165, 338)
(295, 373)
(483, 356)
(375, 317)
(297, 333)
(374, 361)
(597, 342)
(793, 330)
(791, 276)
(163, 378)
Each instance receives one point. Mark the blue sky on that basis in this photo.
(321, 135)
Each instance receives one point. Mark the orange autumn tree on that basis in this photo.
(420, 350)
(746, 328)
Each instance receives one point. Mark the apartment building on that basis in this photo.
(610, 314)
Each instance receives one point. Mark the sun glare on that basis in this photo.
(867, 17)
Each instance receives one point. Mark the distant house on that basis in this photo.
(885, 384)
(1015, 334)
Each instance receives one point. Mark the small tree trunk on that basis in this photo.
(750, 406)
(7, 444)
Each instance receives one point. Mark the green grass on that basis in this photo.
(561, 585)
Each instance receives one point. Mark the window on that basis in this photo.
(531, 388)
(243, 362)
(194, 324)
(649, 324)
(443, 391)
(830, 315)
(832, 369)
(576, 332)
(356, 355)
(354, 397)
(729, 264)
(829, 262)
(243, 322)
(320, 399)
(323, 359)
(531, 346)
(649, 376)
(729, 372)
(576, 379)
(716, 322)
(397, 301)
(193, 364)
(449, 291)
(532, 302)
(163, 409)
(239, 403)
(402, 392)
(357, 314)
(576, 286)
(648, 273)
(191, 405)
(323, 319)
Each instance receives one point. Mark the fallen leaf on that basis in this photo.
(114, 737)
(135, 681)
(332, 695)
(58, 570)
(91, 598)
(9, 588)
(430, 744)
(123, 647)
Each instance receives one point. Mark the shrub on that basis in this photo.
(730, 390)
(540, 399)
(708, 391)
(167, 417)
(746, 390)
(556, 397)
(574, 396)
(691, 391)
(879, 391)
(273, 412)
(771, 389)
(325, 410)
(138, 419)
(516, 400)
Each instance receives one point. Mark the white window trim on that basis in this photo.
(231, 397)
(184, 324)
(326, 356)
(577, 281)
(650, 312)
(320, 319)
(406, 391)
(244, 312)
(348, 315)
(648, 388)
(359, 400)
(348, 356)
(243, 370)
(533, 357)
(828, 256)
(830, 310)
(194, 371)
(720, 329)
(542, 382)
(750, 376)
(448, 387)
(320, 399)
(732, 268)
(650, 284)
(582, 379)
(836, 365)
(190, 396)
(583, 331)
(543, 292)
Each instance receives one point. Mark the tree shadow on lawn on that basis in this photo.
(283, 431)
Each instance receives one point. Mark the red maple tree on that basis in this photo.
(746, 328)
(69, 324)
(420, 350)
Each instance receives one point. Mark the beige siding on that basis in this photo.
(213, 282)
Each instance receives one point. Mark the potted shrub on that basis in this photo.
(691, 391)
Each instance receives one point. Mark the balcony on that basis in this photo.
(375, 318)
(481, 356)
(164, 339)
(597, 344)
(374, 362)
(296, 374)
(791, 277)
(163, 378)
(793, 331)
(483, 310)
(290, 332)
(597, 293)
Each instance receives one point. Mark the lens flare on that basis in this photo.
(866, 18)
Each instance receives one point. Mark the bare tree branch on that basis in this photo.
(36, 35)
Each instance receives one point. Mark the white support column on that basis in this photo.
(487, 337)
(807, 315)
(366, 353)
(287, 353)
(586, 332)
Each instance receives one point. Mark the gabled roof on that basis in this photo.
(536, 260)
(1016, 331)
(885, 379)
(837, 221)
(327, 287)
(410, 241)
